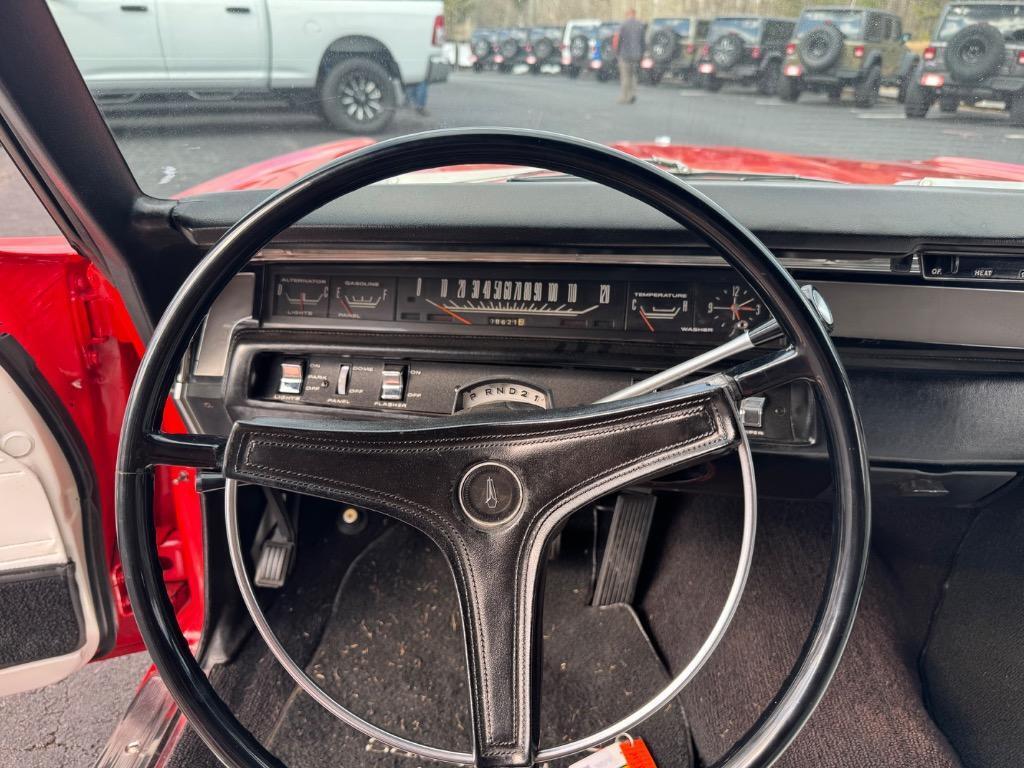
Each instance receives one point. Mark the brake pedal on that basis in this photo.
(275, 543)
(624, 550)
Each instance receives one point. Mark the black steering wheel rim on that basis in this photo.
(141, 447)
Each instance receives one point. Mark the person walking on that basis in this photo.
(630, 49)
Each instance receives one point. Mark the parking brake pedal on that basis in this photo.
(274, 550)
(624, 550)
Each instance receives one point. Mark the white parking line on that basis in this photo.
(880, 115)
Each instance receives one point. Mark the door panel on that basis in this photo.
(51, 626)
(115, 42)
(69, 346)
(215, 43)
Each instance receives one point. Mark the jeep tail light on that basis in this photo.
(932, 80)
(646, 63)
(498, 58)
(755, 52)
(705, 50)
(472, 58)
(566, 58)
(1020, 57)
(929, 53)
(595, 64)
(793, 70)
(790, 49)
(531, 59)
(858, 52)
(437, 38)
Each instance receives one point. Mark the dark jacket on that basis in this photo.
(631, 40)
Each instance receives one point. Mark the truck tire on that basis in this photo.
(711, 84)
(865, 94)
(768, 78)
(789, 88)
(975, 52)
(358, 96)
(919, 99)
(579, 47)
(1017, 110)
(543, 48)
(727, 51)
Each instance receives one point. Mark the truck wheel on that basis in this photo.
(865, 94)
(949, 104)
(1017, 110)
(358, 96)
(919, 99)
(789, 88)
(768, 79)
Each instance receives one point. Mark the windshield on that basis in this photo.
(1007, 18)
(850, 23)
(748, 29)
(205, 97)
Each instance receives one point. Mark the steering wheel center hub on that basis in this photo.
(490, 494)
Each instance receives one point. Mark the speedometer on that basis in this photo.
(500, 302)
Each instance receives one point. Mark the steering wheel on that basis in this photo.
(490, 490)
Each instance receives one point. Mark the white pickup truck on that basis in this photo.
(354, 56)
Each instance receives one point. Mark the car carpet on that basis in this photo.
(392, 650)
(973, 665)
(873, 714)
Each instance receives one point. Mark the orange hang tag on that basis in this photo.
(628, 753)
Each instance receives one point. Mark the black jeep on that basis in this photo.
(481, 44)
(744, 49)
(977, 53)
(542, 48)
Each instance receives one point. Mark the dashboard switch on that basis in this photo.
(292, 374)
(752, 409)
(392, 382)
(343, 373)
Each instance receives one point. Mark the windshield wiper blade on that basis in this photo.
(677, 168)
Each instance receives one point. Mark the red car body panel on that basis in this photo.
(279, 171)
(74, 325)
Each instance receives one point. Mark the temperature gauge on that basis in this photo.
(659, 308)
(300, 296)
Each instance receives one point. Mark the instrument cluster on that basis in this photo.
(710, 306)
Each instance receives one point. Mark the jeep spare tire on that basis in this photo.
(727, 50)
(975, 52)
(543, 48)
(482, 48)
(820, 48)
(663, 45)
(509, 47)
(579, 46)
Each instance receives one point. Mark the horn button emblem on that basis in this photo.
(490, 493)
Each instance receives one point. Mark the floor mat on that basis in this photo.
(873, 715)
(973, 663)
(393, 652)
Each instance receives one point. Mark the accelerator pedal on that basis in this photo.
(624, 550)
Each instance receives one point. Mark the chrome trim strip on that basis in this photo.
(139, 739)
(867, 264)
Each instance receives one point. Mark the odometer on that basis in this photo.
(500, 302)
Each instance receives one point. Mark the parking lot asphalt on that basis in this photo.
(169, 151)
(67, 724)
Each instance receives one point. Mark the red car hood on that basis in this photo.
(283, 169)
